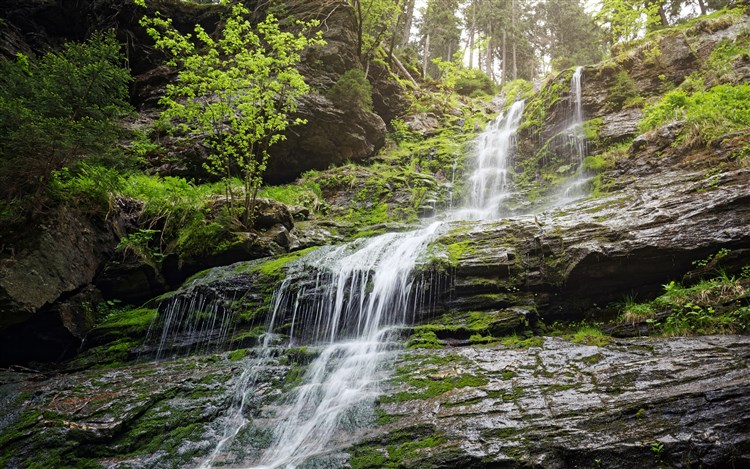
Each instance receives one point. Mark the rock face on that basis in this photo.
(681, 402)
(332, 135)
(46, 302)
(63, 258)
(567, 260)
(628, 404)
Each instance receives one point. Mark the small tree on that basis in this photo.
(236, 92)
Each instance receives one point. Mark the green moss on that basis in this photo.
(403, 448)
(479, 323)
(237, 355)
(479, 339)
(275, 267)
(423, 339)
(598, 163)
(593, 359)
(591, 128)
(590, 335)
(430, 387)
(458, 251)
(132, 320)
(516, 341)
(202, 238)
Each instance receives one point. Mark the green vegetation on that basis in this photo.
(423, 339)
(352, 89)
(399, 449)
(591, 335)
(274, 268)
(237, 92)
(711, 306)
(622, 91)
(422, 387)
(57, 111)
(707, 114)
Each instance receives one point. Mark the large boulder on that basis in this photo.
(59, 260)
(332, 135)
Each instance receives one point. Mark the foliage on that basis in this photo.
(440, 22)
(707, 114)
(58, 110)
(306, 192)
(375, 20)
(590, 335)
(237, 91)
(352, 89)
(168, 202)
(625, 20)
(86, 185)
(623, 88)
(141, 243)
(516, 90)
(474, 82)
(713, 306)
(573, 36)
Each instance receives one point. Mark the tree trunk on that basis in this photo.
(472, 31)
(505, 58)
(702, 6)
(513, 25)
(425, 55)
(408, 19)
(490, 66)
(403, 70)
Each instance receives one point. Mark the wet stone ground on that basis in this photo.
(548, 403)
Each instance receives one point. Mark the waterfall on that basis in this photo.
(351, 300)
(576, 141)
(491, 180)
(577, 137)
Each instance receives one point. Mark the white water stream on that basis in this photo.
(351, 299)
(576, 135)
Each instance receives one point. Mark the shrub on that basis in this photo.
(352, 89)
(58, 110)
(473, 81)
(623, 89)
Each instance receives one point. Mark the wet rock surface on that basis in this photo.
(643, 402)
(567, 260)
(553, 404)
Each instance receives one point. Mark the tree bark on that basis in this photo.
(408, 19)
(425, 55)
(505, 58)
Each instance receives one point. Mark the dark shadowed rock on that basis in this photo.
(60, 258)
(332, 135)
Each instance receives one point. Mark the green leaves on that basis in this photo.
(235, 92)
(57, 110)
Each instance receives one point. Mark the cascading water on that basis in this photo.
(576, 134)
(576, 140)
(491, 181)
(352, 299)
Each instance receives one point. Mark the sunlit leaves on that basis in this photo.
(235, 92)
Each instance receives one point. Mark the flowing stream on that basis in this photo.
(351, 300)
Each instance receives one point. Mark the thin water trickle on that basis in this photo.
(351, 300)
(576, 136)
